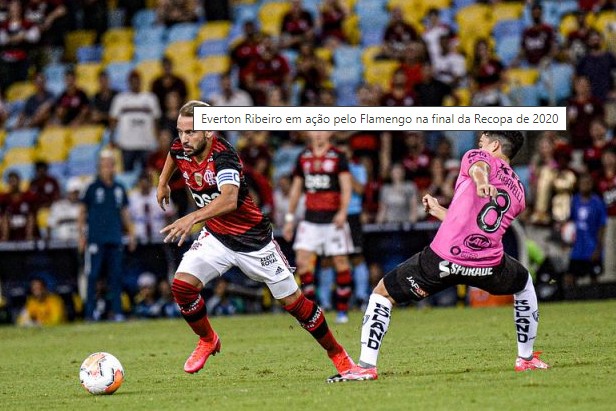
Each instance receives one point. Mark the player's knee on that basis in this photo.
(184, 292)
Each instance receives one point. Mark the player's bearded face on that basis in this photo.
(193, 142)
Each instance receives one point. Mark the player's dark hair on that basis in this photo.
(511, 141)
(188, 109)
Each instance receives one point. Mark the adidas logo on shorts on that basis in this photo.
(279, 270)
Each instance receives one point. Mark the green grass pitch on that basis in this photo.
(440, 359)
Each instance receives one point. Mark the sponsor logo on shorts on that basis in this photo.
(279, 270)
(415, 288)
(448, 268)
(477, 242)
(268, 260)
(195, 245)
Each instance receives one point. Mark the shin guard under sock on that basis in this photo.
(192, 307)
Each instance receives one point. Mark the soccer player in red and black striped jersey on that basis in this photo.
(235, 233)
(322, 172)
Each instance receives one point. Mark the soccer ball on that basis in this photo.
(101, 373)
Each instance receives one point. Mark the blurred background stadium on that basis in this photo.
(63, 64)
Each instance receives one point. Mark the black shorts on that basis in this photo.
(357, 233)
(582, 268)
(426, 273)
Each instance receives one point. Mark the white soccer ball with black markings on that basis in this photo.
(101, 373)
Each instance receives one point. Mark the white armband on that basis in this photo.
(228, 176)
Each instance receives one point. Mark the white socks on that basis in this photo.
(526, 318)
(374, 327)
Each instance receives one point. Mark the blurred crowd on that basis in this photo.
(432, 68)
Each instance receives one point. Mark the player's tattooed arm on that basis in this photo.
(479, 172)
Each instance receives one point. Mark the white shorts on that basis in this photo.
(208, 258)
(323, 239)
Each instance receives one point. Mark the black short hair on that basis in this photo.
(511, 141)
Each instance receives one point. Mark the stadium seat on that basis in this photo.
(150, 36)
(116, 53)
(118, 75)
(369, 54)
(213, 65)
(149, 70)
(20, 90)
(24, 170)
(460, 4)
(144, 18)
(290, 55)
(380, 72)
(271, 15)
(367, 7)
(3, 133)
(83, 160)
(564, 7)
(462, 141)
(52, 154)
(527, 96)
(216, 30)
(508, 48)
(18, 155)
(144, 52)
(58, 170)
(209, 85)
(182, 32)
(555, 83)
(346, 95)
(24, 137)
(245, 12)
(213, 48)
(350, 29)
(86, 135)
(54, 75)
(507, 28)
(116, 36)
(180, 51)
(371, 37)
(345, 56)
(75, 39)
(507, 11)
(521, 76)
(87, 77)
(89, 54)
(475, 20)
(605, 22)
(346, 76)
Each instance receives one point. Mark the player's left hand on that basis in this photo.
(340, 219)
(486, 190)
(179, 229)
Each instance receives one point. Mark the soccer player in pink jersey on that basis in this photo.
(467, 249)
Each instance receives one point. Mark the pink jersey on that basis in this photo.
(472, 232)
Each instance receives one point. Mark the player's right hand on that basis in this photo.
(429, 203)
(163, 194)
(486, 190)
(287, 231)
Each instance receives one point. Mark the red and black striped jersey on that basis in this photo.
(321, 182)
(244, 229)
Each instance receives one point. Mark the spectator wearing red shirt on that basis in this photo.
(486, 70)
(17, 222)
(44, 188)
(310, 73)
(297, 26)
(417, 160)
(17, 37)
(538, 40)
(578, 38)
(598, 65)
(245, 51)
(581, 109)
(399, 95)
(155, 163)
(431, 92)
(332, 16)
(168, 82)
(606, 186)
(592, 154)
(268, 69)
(398, 35)
(51, 16)
(73, 106)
